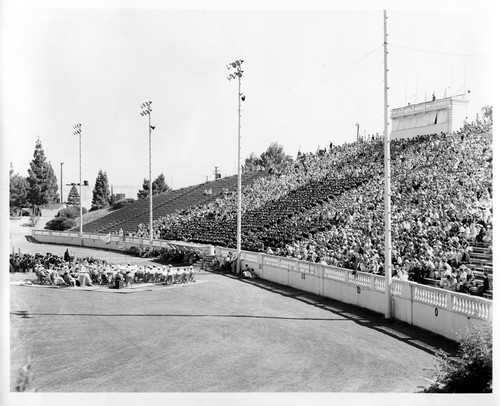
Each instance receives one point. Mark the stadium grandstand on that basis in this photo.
(128, 218)
(327, 207)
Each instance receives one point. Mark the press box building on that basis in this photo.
(442, 115)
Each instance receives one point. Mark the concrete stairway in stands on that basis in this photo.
(481, 259)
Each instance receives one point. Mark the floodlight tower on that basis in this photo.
(146, 111)
(241, 97)
(78, 131)
(387, 194)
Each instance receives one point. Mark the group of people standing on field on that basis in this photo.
(230, 266)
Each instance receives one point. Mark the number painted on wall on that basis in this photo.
(358, 288)
(436, 311)
(303, 276)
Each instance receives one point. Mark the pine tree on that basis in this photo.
(101, 193)
(74, 196)
(253, 163)
(274, 156)
(42, 182)
(144, 192)
(18, 190)
(159, 186)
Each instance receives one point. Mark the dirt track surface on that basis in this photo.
(220, 335)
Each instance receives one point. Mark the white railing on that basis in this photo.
(470, 306)
(337, 274)
(438, 310)
(360, 279)
(431, 296)
(421, 107)
(379, 283)
(97, 240)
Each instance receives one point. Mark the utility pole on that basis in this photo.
(216, 173)
(147, 111)
(387, 194)
(241, 97)
(78, 131)
(357, 132)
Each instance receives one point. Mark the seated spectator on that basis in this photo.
(486, 286)
(69, 279)
(249, 272)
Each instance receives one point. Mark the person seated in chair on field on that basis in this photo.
(129, 278)
(184, 274)
(170, 275)
(191, 274)
(139, 275)
(56, 279)
(178, 275)
(69, 279)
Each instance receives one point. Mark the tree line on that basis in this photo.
(28, 195)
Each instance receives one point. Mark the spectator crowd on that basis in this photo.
(328, 207)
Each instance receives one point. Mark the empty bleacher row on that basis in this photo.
(128, 218)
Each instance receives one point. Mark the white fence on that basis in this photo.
(437, 310)
(116, 242)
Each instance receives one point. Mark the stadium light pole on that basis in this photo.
(146, 111)
(78, 131)
(241, 97)
(387, 194)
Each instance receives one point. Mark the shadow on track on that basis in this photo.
(411, 335)
(25, 315)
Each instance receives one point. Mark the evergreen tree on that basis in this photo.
(74, 196)
(144, 192)
(159, 186)
(253, 163)
(18, 191)
(42, 182)
(101, 193)
(274, 156)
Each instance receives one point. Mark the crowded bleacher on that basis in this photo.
(328, 206)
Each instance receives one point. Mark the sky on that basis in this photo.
(310, 75)
(312, 71)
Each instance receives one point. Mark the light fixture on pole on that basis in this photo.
(237, 73)
(78, 131)
(146, 110)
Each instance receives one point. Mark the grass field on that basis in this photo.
(219, 335)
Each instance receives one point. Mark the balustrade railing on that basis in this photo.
(421, 107)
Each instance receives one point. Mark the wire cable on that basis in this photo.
(435, 52)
